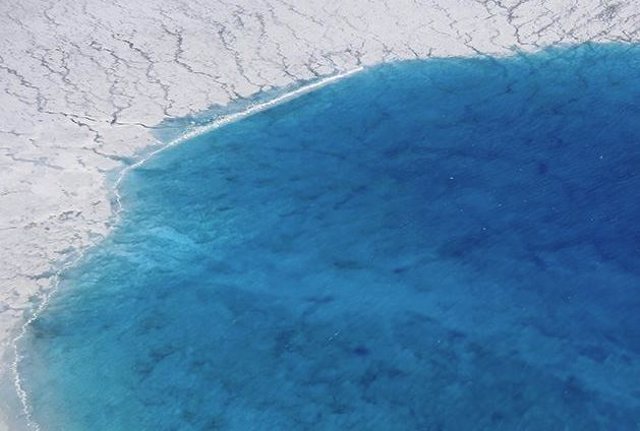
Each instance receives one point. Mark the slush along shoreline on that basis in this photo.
(117, 209)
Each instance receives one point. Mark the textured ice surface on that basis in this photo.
(431, 245)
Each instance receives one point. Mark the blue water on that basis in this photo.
(431, 245)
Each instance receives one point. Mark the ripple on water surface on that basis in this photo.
(430, 245)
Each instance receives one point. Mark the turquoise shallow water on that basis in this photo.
(430, 245)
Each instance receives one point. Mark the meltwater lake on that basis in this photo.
(447, 244)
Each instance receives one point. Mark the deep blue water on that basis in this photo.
(431, 245)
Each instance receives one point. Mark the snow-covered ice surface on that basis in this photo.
(85, 84)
